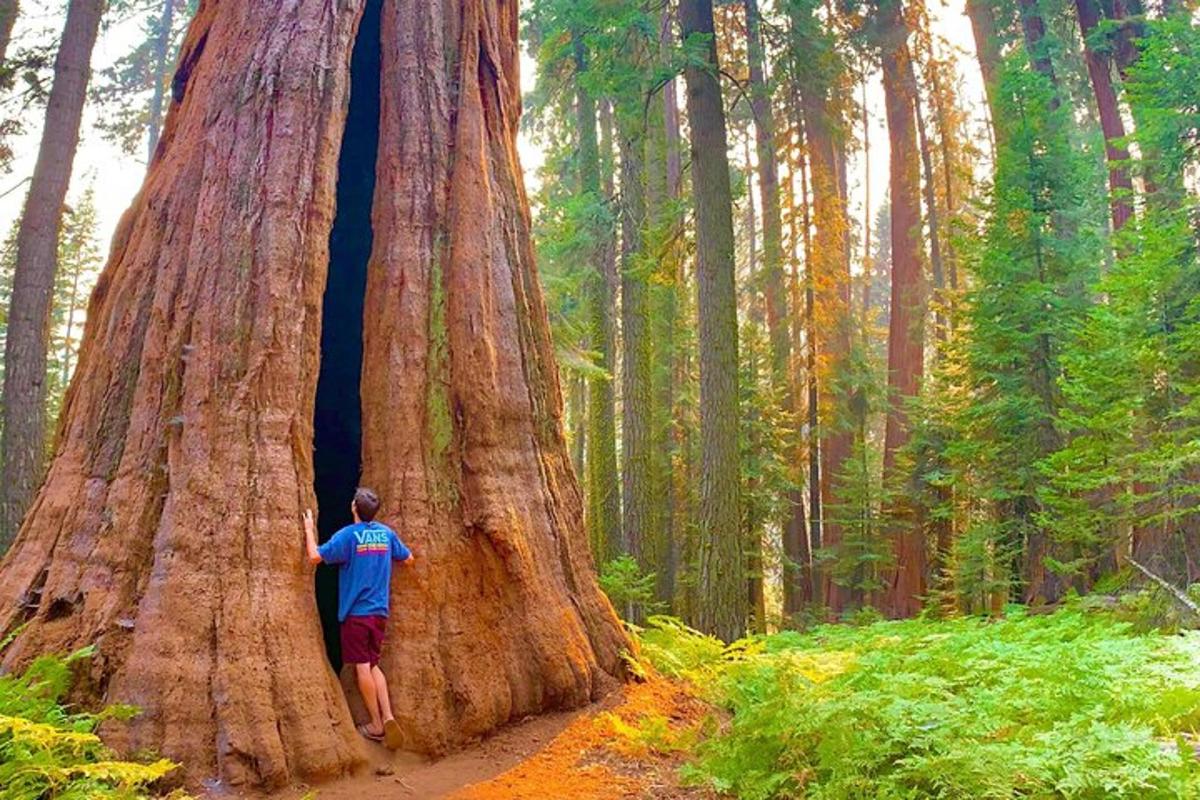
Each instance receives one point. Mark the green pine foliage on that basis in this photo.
(50, 750)
(1069, 705)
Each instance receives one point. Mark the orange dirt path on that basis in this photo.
(598, 757)
(602, 752)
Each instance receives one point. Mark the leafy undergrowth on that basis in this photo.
(50, 751)
(1069, 705)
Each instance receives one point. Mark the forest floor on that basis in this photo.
(629, 745)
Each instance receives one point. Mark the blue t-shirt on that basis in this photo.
(363, 552)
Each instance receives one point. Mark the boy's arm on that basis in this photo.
(400, 551)
(310, 538)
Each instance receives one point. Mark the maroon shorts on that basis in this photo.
(362, 639)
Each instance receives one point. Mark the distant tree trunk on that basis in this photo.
(905, 336)
(755, 576)
(162, 46)
(830, 282)
(577, 405)
(1130, 15)
(987, 51)
(9, 11)
(23, 442)
(167, 533)
(722, 601)
(1120, 185)
(936, 264)
(768, 184)
(816, 532)
(637, 388)
(674, 456)
(797, 564)
(68, 337)
(864, 312)
(1033, 26)
(603, 486)
(679, 464)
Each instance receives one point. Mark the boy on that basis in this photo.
(364, 553)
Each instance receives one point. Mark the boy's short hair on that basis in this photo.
(366, 503)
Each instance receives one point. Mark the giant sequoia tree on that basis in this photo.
(167, 531)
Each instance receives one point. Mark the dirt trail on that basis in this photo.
(590, 754)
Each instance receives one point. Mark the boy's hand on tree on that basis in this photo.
(308, 519)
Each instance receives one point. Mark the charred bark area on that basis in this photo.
(337, 418)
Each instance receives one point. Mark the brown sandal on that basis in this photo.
(366, 732)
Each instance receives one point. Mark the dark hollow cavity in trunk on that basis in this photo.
(337, 422)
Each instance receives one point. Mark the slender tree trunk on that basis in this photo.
(637, 389)
(1033, 26)
(9, 11)
(603, 484)
(722, 603)
(987, 51)
(168, 532)
(756, 595)
(936, 264)
(1130, 16)
(162, 46)
(23, 441)
(1120, 185)
(680, 464)
(673, 454)
(68, 341)
(830, 282)
(905, 336)
(577, 404)
(797, 564)
(812, 386)
(768, 184)
(868, 268)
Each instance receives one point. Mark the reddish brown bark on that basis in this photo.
(23, 442)
(167, 530)
(1120, 184)
(906, 335)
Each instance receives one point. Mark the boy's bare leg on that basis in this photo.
(366, 686)
(381, 692)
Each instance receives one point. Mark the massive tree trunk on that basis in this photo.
(1120, 184)
(167, 531)
(905, 336)
(23, 441)
(722, 585)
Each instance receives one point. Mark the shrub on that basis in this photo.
(48, 750)
(1069, 705)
